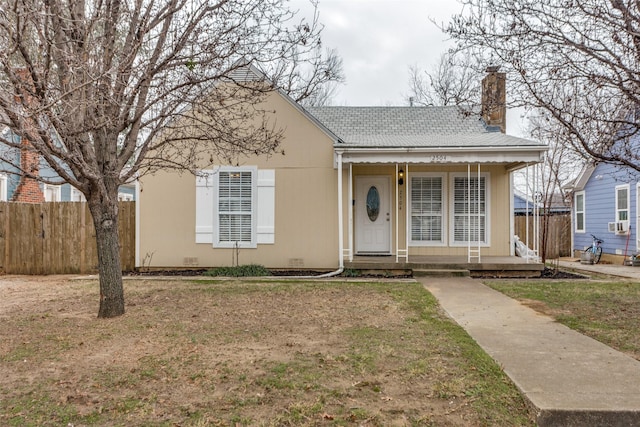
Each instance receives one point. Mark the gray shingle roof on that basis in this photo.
(449, 126)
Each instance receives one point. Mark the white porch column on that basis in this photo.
(473, 252)
(395, 216)
(350, 225)
(526, 196)
(407, 204)
(402, 253)
(512, 225)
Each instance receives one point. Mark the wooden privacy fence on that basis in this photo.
(57, 238)
(558, 234)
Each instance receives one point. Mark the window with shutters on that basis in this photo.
(427, 209)
(579, 209)
(470, 209)
(235, 207)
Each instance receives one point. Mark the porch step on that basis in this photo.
(441, 272)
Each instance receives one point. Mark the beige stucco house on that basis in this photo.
(393, 182)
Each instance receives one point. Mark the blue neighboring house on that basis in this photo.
(10, 178)
(605, 204)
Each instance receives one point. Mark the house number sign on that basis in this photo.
(438, 158)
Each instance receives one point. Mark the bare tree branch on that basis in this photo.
(453, 80)
(577, 60)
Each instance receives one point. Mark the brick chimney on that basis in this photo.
(494, 98)
(28, 189)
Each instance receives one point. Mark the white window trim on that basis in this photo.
(56, 190)
(445, 214)
(628, 208)
(584, 212)
(3, 187)
(254, 189)
(487, 214)
(75, 193)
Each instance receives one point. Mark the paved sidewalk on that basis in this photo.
(611, 269)
(571, 380)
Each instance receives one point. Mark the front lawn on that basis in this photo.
(607, 310)
(243, 353)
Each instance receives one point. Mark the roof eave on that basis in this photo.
(514, 156)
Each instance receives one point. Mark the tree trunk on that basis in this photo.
(105, 221)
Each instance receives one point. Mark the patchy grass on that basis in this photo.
(607, 310)
(237, 353)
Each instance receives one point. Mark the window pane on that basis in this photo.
(426, 209)
(622, 198)
(469, 209)
(580, 221)
(373, 204)
(579, 202)
(235, 207)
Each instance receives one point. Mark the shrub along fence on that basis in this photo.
(57, 238)
(558, 234)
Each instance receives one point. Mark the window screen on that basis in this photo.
(235, 207)
(426, 209)
(469, 209)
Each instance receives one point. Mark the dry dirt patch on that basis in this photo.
(239, 353)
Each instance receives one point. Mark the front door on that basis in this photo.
(373, 215)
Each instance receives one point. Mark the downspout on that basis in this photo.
(137, 263)
(340, 225)
(350, 210)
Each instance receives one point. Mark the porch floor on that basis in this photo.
(506, 266)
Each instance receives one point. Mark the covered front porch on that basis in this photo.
(429, 218)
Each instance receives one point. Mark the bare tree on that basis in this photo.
(453, 80)
(579, 60)
(105, 91)
(310, 84)
(560, 165)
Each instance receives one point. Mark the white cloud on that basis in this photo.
(378, 40)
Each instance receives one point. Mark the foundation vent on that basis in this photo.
(296, 262)
(189, 261)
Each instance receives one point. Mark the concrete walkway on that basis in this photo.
(571, 380)
(609, 269)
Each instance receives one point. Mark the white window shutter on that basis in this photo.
(266, 206)
(205, 189)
